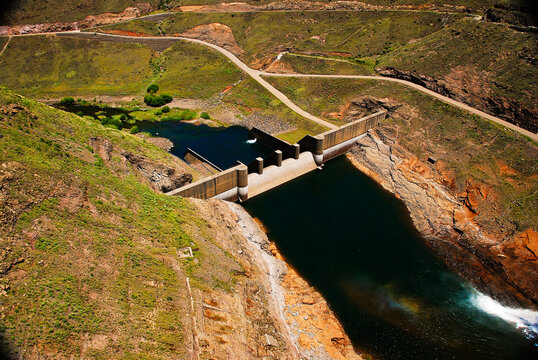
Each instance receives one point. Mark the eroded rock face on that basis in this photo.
(504, 267)
(365, 105)
(162, 177)
(460, 85)
(215, 33)
(159, 176)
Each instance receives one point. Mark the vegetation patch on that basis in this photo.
(99, 248)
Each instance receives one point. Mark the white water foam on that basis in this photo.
(252, 141)
(524, 319)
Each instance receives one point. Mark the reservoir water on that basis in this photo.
(355, 243)
(223, 146)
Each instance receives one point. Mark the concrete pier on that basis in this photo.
(273, 175)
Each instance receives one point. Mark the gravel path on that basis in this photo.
(257, 75)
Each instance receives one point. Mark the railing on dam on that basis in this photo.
(286, 162)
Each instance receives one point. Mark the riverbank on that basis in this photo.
(302, 326)
(501, 266)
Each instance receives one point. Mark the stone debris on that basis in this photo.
(185, 252)
(270, 341)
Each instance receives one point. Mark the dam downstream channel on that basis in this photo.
(355, 243)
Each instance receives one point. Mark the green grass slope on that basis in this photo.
(60, 66)
(360, 33)
(501, 58)
(45, 11)
(88, 265)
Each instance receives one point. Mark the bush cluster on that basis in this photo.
(152, 89)
(113, 122)
(157, 100)
(67, 100)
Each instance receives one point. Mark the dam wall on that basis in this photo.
(230, 184)
(267, 139)
(192, 157)
(287, 162)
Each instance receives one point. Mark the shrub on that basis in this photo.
(167, 98)
(157, 101)
(153, 88)
(115, 123)
(165, 109)
(123, 117)
(80, 113)
(205, 115)
(67, 100)
(158, 112)
(134, 129)
(152, 100)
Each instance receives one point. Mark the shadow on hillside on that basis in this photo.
(6, 6)
(7, 352)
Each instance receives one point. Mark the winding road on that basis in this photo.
(257, 75)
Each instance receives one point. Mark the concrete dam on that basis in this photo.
(285, 163)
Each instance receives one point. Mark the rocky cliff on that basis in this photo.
(473, 94)
(504, 267)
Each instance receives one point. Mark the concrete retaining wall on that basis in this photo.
(267, 139)
(234, 179)
(351, 130)
(192, 157)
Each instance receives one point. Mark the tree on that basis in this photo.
(153, 88)
(166, 98)
(205, 115)
(134, 129)
(165, 109)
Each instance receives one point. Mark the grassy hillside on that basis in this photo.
(88, 265)
(361, 34)
(39, 11)
(311, 64)
(59, 66)
(472, 148)
(54, 67)
(500, 58)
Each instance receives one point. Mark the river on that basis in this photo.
(355, 243)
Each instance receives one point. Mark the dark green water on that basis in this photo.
(91, 110)
(356, 244)
(222, 146)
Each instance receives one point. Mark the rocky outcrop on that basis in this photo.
(159, 176)
(503, 267)
(215, 33)
(298, 322)
(461, 89)
(511, 14)
(365, 105)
